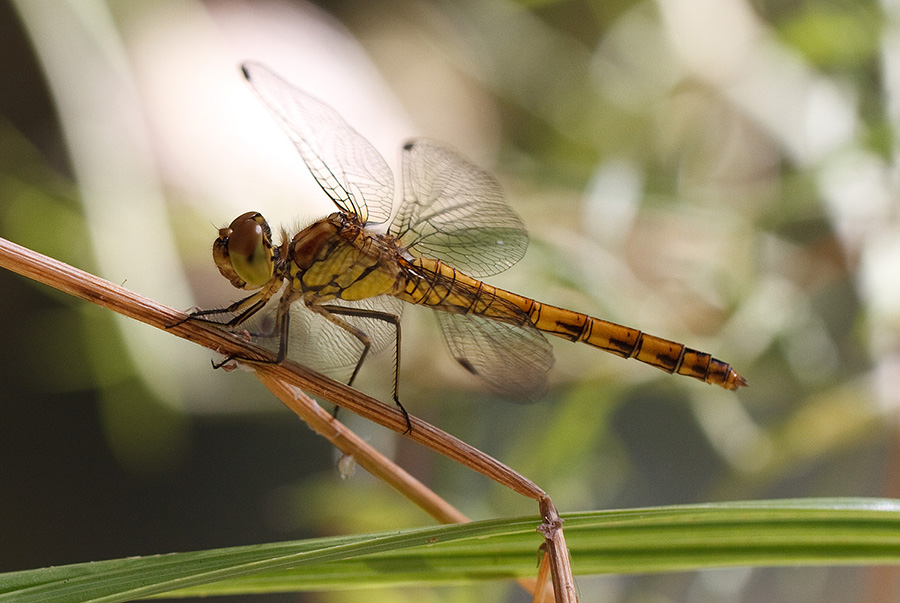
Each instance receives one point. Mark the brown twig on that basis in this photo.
(323, 423)
(558, 552)
(86, 286)
(104, 293)
(374, 462)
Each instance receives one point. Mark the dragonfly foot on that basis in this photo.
(405, 416)
(218, 365)
(179, 322)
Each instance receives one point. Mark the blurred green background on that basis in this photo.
(718, 172)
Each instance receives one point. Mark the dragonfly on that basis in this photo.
(339, 284)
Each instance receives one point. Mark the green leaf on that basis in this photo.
(792, 532)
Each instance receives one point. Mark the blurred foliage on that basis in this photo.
(723, 177)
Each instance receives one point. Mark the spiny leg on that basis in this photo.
(250, 305)
(282, 326)
(257, 301)
(328, 312)
(243, 309)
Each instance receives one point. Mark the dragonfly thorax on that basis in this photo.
(337, 257)
(313, 242)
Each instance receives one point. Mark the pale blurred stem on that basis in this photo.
(278, 377)
(345, 440)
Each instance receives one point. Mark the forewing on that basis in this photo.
(323, 346)
(512, 360)
(454, 211)
(346, 165)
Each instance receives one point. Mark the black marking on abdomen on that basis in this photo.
(449, 288)
(475, 298)
(431, 283)
(586, 330)
(637, 345)
(568, 329)
(667, 364)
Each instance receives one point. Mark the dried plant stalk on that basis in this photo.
(278, 377)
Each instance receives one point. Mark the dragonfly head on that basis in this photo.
(243, 252)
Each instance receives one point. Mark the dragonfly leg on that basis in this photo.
(329, 312)
(282, 322)
(243, 309)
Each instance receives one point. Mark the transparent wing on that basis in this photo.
(454, 211)
(346, 165)
(512, 360)
(324, 347)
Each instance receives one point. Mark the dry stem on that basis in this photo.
(277, 376)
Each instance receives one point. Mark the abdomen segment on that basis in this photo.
(444, 288)
(626, 342)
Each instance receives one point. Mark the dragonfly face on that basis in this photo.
(345, 281)
(243, 252)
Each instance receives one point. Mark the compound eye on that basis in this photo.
(244, 250)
